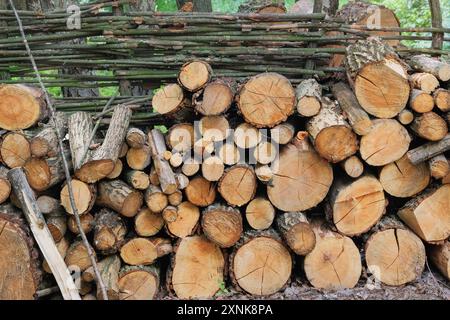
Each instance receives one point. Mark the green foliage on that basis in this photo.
(222, 289)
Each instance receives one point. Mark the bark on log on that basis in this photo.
(420, 101)
(135, 138)
(424, 81)
(424, 63)
(429, 150)
(120, 197)
(296, 231)
(263, 7)
(137, 179)
(308, 97)
(440, 257)
(109, 232)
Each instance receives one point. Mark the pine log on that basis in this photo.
(427, 214)
(77, 257)
(439, 166)
(332, 136)
(222, 225)
(394, 255)
(301, 186)
(14, 150)
(420, 101)
(260, 213)
(118, 167)
(353, 167)
(282, 133)
(238, 185)
(201, 192)
(180, 137)
(185, 275)
(169, 99)
(429, 150)
(181, 221)
(296, 231)
(215, 99)
(424, 81)
(135, 138)
(229, 153)
(442, 99)
(43, 174)
(21, 107)
(405, 117)
(430, 126)
(148, 223)
(166, 177)
(85, 196)
(266, 100)
(403, 179)
(137, 179)
(144, 251)
(335, 261)
(247, 136)
(308, 97)
(424, 63)
(20, 274)
(87, 223)
(139, 158)
(440, 257)
(109, 232)
(358, 118)
(260, 263)
(155, 199)
(380, 79)
(355, 206)
(387, 142)
(139, 282)
(194, 75)
(120, 197)
(176, 198)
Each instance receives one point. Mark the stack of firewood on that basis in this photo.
(247, 176)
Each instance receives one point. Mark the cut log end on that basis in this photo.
(194, 75)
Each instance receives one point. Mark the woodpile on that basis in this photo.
(244, 176)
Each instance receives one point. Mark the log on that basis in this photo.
(440, 257)
(308, 97)
(135, 138)
(139, 158)
(109, 232)
(87, 223)
(62, 246)
(355, 206)
(180, 137)
(247, 136)
(358, 118)
(335, 262)
(21, 107)
(194, 75)
(118, 167)
(424, 63)
(45, 142)
(109, 269)
(169, 100)
(420, 101)
(296, 231)
(266, 100)
(176, 198)
(144, 251)
(222, 225)
(333, 138)
(387, 142)
(176, 160)
(430, 126)
(394, 255)
(120, 197)
(424, 81)
(215, 99)
(137, 179)
(260, 263)
(263, 7)
(379, 78)
(20, 275)
(427, 214)
(49, 205)
(403, 179)
(405, 117)
(212, 168)
(229, 153)
(203, 148)
(57, 225)
(353, 167)
(442, 99)
(139, 282)
(266, 152)
(238, 185)
(429, 150)
(77, 257)
(185, 274)
(14, 150)
(85, 196)
(214, 128)
(260, 213)
(123, 150)
(200, 192)
(148, 223)
(439, 166)
(181, 221)
(155, 199)
(190, 167)
(166, 177)
(312, 175)
(5, 185)
(282, 133)
(43, 174)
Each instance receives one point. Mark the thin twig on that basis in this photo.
(100, 282)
